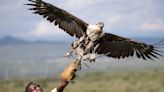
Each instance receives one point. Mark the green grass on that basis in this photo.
(131, 81)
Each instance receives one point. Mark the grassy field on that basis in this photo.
(129, 81)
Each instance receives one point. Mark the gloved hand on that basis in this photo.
(69, 73)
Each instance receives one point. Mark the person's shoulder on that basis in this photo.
(54, 90)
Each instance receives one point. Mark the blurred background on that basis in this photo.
(32, 49)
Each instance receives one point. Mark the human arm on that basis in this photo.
(62, 85)
(67, 75)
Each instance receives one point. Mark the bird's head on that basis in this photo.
(96, 28)
(101, 24)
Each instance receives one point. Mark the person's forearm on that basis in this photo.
(67, 75)
(62, 85)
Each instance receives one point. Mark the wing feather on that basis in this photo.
(66, 21)
(118, 47)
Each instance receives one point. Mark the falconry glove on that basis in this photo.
(69, 73)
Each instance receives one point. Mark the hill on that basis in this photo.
(15, 40)
(11, 40)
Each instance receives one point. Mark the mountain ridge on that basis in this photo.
(16, 40)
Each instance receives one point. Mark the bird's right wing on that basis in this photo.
(119, 47)
(66, 21)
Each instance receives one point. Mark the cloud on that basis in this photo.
(116, 19)
(43, 28)
(11, 5)
(82, 3)
(153, 25)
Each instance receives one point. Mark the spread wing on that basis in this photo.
(66, 21)
(119, 47)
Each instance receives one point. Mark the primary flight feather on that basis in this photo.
(66, 21)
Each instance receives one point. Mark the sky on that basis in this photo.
(127, 18)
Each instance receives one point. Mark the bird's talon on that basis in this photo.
(68, 55)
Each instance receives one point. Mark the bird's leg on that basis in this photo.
(92, 58)
(77, 43)
(88, 47)
(89, 57)
(74, 46)
(78, 62)
(69, 53)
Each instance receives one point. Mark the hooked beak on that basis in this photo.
(101, 24)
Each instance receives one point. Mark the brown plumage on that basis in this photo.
(118, 47)
(66, 21)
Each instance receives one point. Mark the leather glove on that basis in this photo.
(69, 73)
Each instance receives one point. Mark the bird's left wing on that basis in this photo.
(66, 21)
(118, 47)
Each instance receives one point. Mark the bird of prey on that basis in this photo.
(91, 40)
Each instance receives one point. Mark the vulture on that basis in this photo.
(91, 40)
